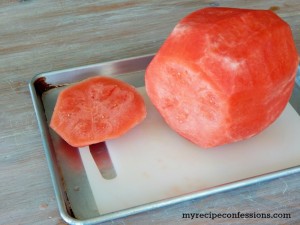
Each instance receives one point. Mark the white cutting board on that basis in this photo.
(153, 162)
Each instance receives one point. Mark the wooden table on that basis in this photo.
(38, 36)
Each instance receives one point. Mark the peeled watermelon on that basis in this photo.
(95, 110)
(223, 74)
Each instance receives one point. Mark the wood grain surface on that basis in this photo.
(39, 35)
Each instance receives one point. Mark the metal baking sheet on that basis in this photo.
(71, 179)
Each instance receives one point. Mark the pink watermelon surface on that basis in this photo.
(223, 74)
(96, 109)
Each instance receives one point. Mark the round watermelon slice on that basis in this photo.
(96, 109)
(223, 74)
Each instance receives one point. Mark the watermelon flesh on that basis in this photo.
(96, 109)
(223, 74)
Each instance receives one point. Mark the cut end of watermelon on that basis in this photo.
(95, 110)
(223, 74)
